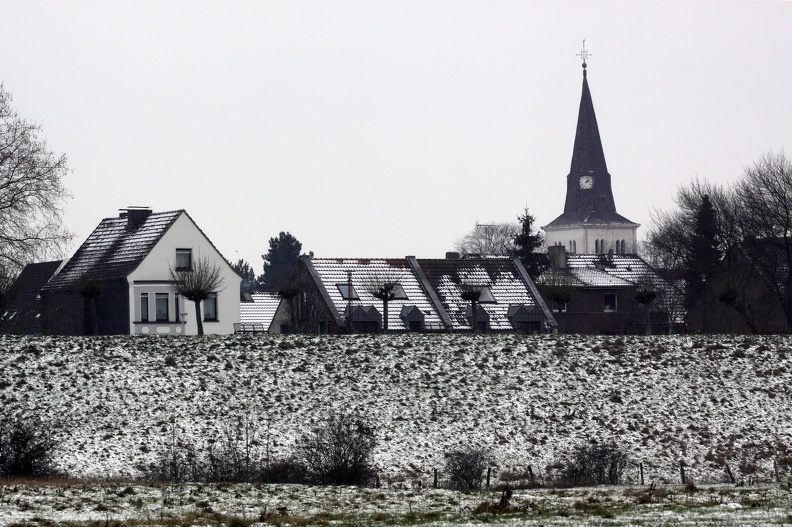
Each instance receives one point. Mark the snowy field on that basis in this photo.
(703, 402)
(247, 505)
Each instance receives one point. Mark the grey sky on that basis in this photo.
(389, 128)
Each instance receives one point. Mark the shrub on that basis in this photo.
(288, 470)
(595, 464)
(27, 446)
(338, 451)
(465, 468)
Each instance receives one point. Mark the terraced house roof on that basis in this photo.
(364, 273)
(502, 277)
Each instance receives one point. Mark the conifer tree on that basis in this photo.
(703, 252)
(527, 243)
(280, 260)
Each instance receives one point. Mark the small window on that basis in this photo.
(398, 293)
(348, 291)
(144, 307)
(610, 302)
(210, 308)
(486, 296)
(162, 307)
(183, 259)
(559, 307)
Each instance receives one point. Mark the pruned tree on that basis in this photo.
(472, 293)
(495, 239)
(383, 285)
(646, 295)
(528, 245)
(31, 192)
(90, 289)
(280, 260)
(197, 284)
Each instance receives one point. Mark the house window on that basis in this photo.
(398, 293)
(144, 307)
(559, 307)
(162, 307)
(609, 302)
(596, 246)
(183, 259)
(347, 291)
(210, 308)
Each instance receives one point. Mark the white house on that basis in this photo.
(119, 281)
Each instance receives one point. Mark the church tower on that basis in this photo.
(590, 223)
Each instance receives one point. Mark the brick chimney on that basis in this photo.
(135, 216)
(557, 256)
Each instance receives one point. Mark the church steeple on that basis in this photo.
(588, 182)
(589, 204)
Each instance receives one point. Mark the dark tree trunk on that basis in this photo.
(198, 317)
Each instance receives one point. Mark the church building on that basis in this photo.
(590, 223)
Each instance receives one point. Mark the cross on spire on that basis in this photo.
(584, 55)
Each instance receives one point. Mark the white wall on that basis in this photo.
(153, 276)
(585, 236)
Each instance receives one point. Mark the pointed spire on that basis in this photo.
(587, 155)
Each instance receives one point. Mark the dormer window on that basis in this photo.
(184, 259)
(347, 291)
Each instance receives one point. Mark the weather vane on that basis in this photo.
(584, 55)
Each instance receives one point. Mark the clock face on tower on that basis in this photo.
(586, 181)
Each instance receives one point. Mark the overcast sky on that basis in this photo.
(385, 129)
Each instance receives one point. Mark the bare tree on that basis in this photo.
(495, 239)
(673, 243)
(465, 468)
(383, 285)
(764, 195)
(339, 450)
(31, 192)
(197, 283)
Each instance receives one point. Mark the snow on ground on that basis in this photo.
(109, 503)
(701, 401)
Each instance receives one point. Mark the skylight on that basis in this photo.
(347, 291)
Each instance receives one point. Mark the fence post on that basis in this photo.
(531, 474)
(435, 478)
(729, 472)
(682, 471)
(640, 466)
(775, 470)
(489, 470)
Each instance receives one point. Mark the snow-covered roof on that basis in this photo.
(367, 271)
(499, 275)
(261, 310)
(113, 249)
(597, 270)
